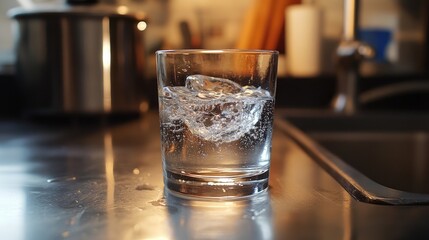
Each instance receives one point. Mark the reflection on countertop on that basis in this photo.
(105, 182)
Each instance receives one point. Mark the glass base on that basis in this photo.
(209, 186)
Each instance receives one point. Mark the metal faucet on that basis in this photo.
(350, 53)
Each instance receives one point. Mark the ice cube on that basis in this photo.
(214, 109)
(204, 84)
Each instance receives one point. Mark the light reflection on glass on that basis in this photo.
(249, 218)
(107, 97)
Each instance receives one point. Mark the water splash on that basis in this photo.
(214, 109)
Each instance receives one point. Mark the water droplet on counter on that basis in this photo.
(61, 179)
(145, 186)
(160, 202)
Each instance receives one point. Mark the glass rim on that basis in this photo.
(215, 51)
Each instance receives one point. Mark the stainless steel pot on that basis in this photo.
(79, 59)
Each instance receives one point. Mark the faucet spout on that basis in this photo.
(349, 53)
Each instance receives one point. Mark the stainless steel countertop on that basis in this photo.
(93, 182)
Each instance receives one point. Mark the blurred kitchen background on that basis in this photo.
(396, 29)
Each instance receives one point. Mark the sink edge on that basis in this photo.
(354, 182)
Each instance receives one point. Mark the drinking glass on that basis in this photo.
(216, 115)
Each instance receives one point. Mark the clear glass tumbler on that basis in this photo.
(216, 115)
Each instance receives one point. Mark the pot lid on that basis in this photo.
(87, 9)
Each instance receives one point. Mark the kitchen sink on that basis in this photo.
(377, 157)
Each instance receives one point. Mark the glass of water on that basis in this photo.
(216, 114)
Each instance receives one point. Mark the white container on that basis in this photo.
(303, 40)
